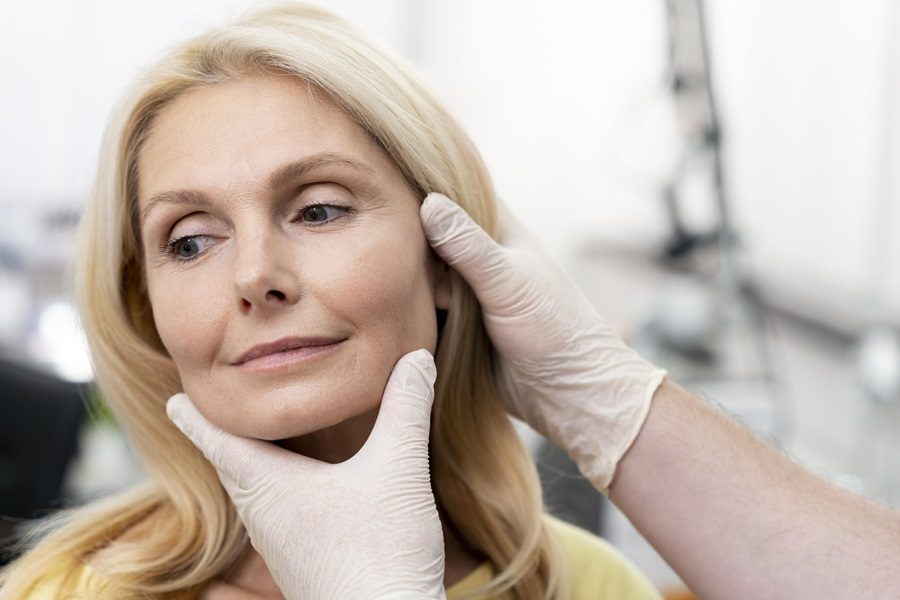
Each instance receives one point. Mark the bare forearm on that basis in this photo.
(736, 519)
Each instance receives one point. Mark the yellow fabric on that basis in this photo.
(597, 569)
(66, 582)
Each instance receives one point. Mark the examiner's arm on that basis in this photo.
(734, 517)
(737, 519)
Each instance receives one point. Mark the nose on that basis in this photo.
(264, 274)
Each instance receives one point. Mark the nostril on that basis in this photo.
(276, 294)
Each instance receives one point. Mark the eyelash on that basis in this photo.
(170, 247)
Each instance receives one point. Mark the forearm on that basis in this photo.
(736, 519)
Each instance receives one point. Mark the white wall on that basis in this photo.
(811, 91)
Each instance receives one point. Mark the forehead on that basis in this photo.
(239, 131)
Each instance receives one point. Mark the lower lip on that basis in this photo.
(288, 358)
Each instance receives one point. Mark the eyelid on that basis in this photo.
(197, 223)
(168, 248)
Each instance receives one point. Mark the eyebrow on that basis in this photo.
(279, 178)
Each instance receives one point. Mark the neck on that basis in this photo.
(337, 443)
(459, 559)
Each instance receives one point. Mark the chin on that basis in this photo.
(289, 419)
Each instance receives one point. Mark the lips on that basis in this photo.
(284, 345)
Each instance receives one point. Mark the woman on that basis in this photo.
(260, 186)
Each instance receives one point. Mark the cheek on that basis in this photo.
(188, 320)
(381, 285)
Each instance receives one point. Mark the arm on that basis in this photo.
(737, 519)
(732, 516)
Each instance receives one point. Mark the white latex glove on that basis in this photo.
(561, 369)
(364, 528)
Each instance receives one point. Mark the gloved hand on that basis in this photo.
(364, 528)
(561, 369)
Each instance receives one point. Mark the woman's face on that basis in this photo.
(266, 214)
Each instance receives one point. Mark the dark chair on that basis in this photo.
(567, 494)
(39, 424)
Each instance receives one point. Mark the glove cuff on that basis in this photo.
(599, 466)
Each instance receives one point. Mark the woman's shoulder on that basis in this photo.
(596, 566)
(77, 579)
(71, 575)
(67, 578)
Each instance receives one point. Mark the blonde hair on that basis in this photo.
(483, 478)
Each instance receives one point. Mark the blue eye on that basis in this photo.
(185, 248)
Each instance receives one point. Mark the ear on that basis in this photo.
(440, 280)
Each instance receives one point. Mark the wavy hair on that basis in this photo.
(189, 532)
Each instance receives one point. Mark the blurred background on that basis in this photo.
(718, 176)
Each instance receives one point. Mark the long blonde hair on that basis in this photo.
(483, 478)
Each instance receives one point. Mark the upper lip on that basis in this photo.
(288, 343)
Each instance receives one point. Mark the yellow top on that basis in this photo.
(597, 569)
